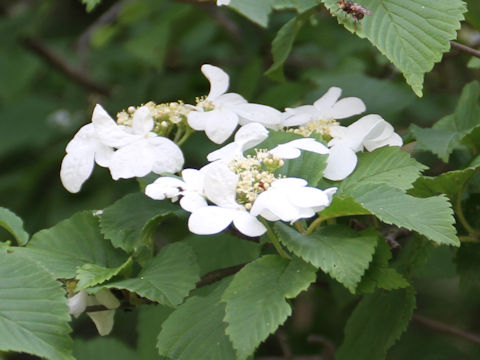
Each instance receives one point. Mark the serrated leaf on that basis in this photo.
(221, 251)
(33, 310)
(69, 244)
(447, 134)
(14, 225)
(256, 299)
(299, 5)
(413, 35)
(196, 330)
(338, 250)
(168, 279)
(431, 217)
(387, 165)
(130, 221)
(89, 275)
(379, 274)
(103, 348)
(150, 321)
(254, 10)
(449, 183)
(282, 45)
(378, 320)
(343, 206)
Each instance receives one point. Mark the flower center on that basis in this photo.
(256, 174)
(318, 126)
(205, 104)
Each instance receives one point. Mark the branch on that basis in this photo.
(328, 346)
(217, 275)
(57, 62)
(446, 329)
(465, 48)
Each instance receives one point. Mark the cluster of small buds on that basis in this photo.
(256, 174)
(205, 104)
(320, 126)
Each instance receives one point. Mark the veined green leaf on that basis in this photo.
(299, 5)
(33, 310)
(338, 250)
(169, 277)
(103, 348)
(368, 325)
(413, 35)
(150, 321)
(89, 275)
(256, 299)
(14, 225)
(256, 11)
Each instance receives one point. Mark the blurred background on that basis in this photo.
(57, 61)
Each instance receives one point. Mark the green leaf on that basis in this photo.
(33, 310)
(379, 274)
(300, 5)
(378, 320)
(196, 330)
(14, 225)
(255, 299)
(338, 250)
(150, 321)
(91, 4)
(169, 277)
(69, 244)
(89, 275)
(256, 11)
(412, 35)
(447, 134)
(221, 251)
(103, 348)
(387, 165)
(131, 221)
(449, 183)
(282, 45)
(432, 217)
(343, 206)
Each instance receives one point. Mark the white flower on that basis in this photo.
(370, 132)
(326, 107)
(220, 113)
(190, 189)
(223, 2)
(82, 152)
(103, 319)
(139, 150)
(289, 199)
(220, 189)
(292, 149)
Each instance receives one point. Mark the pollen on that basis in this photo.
(317, 126)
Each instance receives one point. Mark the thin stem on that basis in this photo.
(468, 239)
(465, 48)
(299, 227)
(461, 217)
(185, 136)
(274, 240)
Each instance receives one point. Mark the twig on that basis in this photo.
(465, 48)
(328, 346)
(283, 341)
(446, 329)
(60, 64)
(217, 275)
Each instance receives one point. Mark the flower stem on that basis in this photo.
(275, 242)
(299, 227)
(186, 135)
(316, 223)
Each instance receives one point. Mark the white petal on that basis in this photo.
(287, 183)
(142, 120)
(393, 140)
(103, 321)
(266, 115)
(309, 144)
(284, 151)
(210, 220)
(220, 184)
(77, 303)
(134, 160)
(297, 119)
(226, 153)
(103, 154)
(194, 179)
(168, 157)
(108, 131)
(229, 100)
(369, 127)
(250, 135)
(107, 299)
(220, 125)
(326, 102)
(275, 202)
(340, 163)
(164, 187)
(307, 197)
(198, 120)
(347, 107)
(192, 201)
(248, 224)
(218, 78)
(84, 139)
(76, 168)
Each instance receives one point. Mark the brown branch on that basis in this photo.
(446, 329)
(217, 275)
(465, 48)
(57, 62)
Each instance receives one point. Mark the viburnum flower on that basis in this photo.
(290, 199)
(103, 319)
(324, 112)
(220, 112)
(370, 132)
(139, 150)
(190, 189)
(223, 2)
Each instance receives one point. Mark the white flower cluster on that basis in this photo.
(234, 187)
